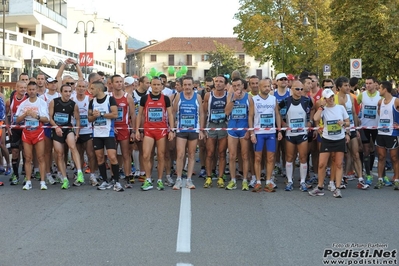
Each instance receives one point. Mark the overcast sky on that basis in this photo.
(162, 19)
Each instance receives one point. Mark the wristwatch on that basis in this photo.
(38, 117)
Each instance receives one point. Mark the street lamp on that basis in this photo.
(119, 48)
(85, 27)
(4, 2)
(306, 23)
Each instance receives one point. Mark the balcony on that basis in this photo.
(42, 9)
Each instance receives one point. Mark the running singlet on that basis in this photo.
(216, 107)
(386, 119)
(136, 98)
(369, 109)
(297, 114)
(14, 106)
(123, 111)
(283, 111)
(103, 127)
(239, 114)
(155, 110)
(63, 111)
(83, 112)
(188, 114)
(264, 114)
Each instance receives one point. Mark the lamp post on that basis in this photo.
(119, 48)
(306, 23)
(4, 2)
(85, 27)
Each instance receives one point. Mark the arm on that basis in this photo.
(251, 114)
(138, 122)
(201, 114)
(8, 112)
(51, 113)
(176, 104)
(205, 108)
(132, 112)
(113, 113)
(76, 114)
(91, 114)
(278, 121)
(59, 75)
(230, 103)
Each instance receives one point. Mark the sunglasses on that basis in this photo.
(70, 83)
(329, 87)
(313, 80)
(298, 89)
(283, 79)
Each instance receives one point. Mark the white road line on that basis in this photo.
(184, 232)
(184, 264)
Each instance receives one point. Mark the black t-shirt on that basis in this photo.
(143, 99)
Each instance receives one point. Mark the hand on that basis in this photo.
(341, 123)
(138, 136)
(247, 135)
(253, 138)
(115, 130)
(357, 134)
(171, 135)
(201, 135)
(314, 134)
(58, 131)
(347, 138)
(279, 136)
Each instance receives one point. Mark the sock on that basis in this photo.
(28, 182)
(303, 169)
(289, 167)
(79, 170)
(136, 156)
(361, 179)
(167, 176)
(380, 179)
(15, 166)
(149, 180)
(42, 182)
(115, 171)
(103, 171)
(142, 172)
(253, 177)
(321, 188)
(258, 182)
(234, 180)
(179, 179)
(202, 167)
(268, 182)
(366, 161)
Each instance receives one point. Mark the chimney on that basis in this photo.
(153, 42)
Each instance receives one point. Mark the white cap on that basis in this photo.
(129, 81)
(281, 75)
(50, 80)
(327, 93)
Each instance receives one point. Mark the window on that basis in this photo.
(259, 73)
(189, 73)
(171, 61)
(189, 60)
(204, 57)
(153, 58)
(241, 57)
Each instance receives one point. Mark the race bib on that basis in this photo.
(120, 115)
(266, 121)
(297, 123)
(350, 117)
(155, 114)
(333, 128)
(187, 121)
(384, 123)
(84, 121)
(283, 112)
(239, 111)
(100, 121)
(370, 112)
(61, 118)
(31, 124)
(218, 116)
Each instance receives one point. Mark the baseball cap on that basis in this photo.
(281, 75)
(290, 77)
(327, 93)
(51, 80)
(129, 81)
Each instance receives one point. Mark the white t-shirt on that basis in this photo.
(331, 116)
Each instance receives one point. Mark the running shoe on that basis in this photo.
(289, 186)
(27, 186)
(262, 176)
(121, 174)
(14, 180)
(337, 193)
(2, 170)
(231, 185)
(342, 186)
(93, 180)
(257, 188)
(380, 184)
(252, 183)
(65, 184)
(189, 184)
(227, 170)
(87, 171)
(59, 178)
(178, 184)
(104, 185)
(43, 186)
(118, 187)
(269, 187)
(142, 178)
(272, 180)
(396, 185)
(169, 181)
(1, 184)
(147, 185)
(8, 171)
(79, 180)
(316, 192)
(50, 179)
(331, 186)
(369, 180)
(220, 182)
(362, 185)
(208, 182)
(245, 185)
(184, 173)
(303, 187)
(277, 170)
(202, 173)
(312, 180)
(387, 182)
(37, 175)
(160, 185)
(136, 174)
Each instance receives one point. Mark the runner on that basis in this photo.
(34, 113)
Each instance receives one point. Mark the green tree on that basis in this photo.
(368, 30)
(274, 30)
(225, 61)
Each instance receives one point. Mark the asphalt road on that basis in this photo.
(85, 226)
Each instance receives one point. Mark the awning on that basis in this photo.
(9, 62)
(52, 72)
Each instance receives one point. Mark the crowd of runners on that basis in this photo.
(128, 125)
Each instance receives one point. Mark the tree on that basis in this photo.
(367, 30)
(274, 30)
(224, 61)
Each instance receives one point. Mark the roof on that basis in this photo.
(193, 44)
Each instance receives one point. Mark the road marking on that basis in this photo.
(184, 232)
(184, 264)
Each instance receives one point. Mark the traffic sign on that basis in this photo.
(327, 70)
(356, 68)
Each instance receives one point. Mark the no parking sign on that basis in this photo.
(356, 68)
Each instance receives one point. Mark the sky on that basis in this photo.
(162, 19)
